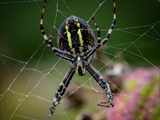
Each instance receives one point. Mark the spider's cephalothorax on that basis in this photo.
(77, 45)
(76, 36)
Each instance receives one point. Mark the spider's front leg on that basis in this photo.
(103, 84)
(90, 52)
(61, 90)
(58, 52)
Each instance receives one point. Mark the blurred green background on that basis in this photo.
(20, 25)
(22, 48)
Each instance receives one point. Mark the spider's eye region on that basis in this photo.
(71, 22)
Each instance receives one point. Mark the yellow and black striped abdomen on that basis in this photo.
(75, 35)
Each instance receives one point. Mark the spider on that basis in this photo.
(77, 44)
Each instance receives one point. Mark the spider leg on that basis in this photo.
(112, 25)
(90, 52)
(61, 90)
(103, 84)
(98, 30)
(50, 36)
(58, 52)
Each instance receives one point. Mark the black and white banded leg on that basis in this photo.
(103, 84)
(61, 90)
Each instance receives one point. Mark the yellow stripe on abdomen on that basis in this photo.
(80, 37)
(69, 37)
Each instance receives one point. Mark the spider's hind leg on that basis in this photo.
(61, 90)
(103, 84)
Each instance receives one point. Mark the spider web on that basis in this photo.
(31, 73)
